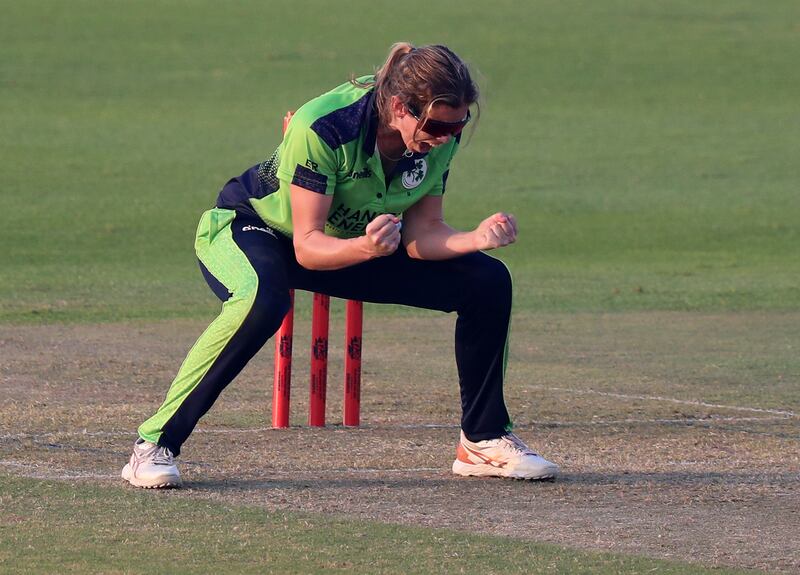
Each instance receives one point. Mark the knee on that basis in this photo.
(491, 283)
(268, 309)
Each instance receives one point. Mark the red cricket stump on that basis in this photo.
(352, 362)
(320, 320)
(281, 390)
(319, 360)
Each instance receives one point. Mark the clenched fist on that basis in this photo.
(383, 235)
(496, 231)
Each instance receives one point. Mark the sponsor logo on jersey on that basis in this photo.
(349, 220)
(362, 174)
(413, 177)
(344, 218)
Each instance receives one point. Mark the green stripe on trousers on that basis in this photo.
(215, 247)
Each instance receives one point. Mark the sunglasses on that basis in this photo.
(437, 128)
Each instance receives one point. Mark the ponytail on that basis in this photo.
(397, 51)
(382, 74)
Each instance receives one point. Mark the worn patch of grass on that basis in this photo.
(659, 420)
(63, 527)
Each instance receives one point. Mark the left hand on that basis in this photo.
(496, 231)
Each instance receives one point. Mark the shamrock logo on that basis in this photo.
(413, 177)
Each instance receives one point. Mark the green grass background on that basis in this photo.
(649, 149)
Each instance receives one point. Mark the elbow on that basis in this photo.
(303, 257)
(306, 264)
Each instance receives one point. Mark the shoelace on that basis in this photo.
(517, 444)
(162, 456)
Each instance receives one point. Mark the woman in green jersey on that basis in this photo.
(324, 214)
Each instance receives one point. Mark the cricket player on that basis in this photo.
(324, 214)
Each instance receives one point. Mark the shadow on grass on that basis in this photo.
(671, 479)
(678, 478)
(282, 483)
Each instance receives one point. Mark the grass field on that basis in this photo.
(649, 150)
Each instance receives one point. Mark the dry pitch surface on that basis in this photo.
(678, 434)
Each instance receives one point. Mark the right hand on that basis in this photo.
(383, 235)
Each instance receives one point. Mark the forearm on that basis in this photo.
(438, 241)
(318, 251)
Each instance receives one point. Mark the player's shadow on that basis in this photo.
(285, 484)
(673, 478)
(447, 482)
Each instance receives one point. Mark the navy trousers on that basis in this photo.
(477, 287)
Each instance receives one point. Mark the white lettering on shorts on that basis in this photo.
(257, 229)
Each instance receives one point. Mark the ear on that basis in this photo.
(398, 108)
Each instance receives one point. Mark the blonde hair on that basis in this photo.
(421, 77)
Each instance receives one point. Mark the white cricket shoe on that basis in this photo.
(151, 466)
(507, 456)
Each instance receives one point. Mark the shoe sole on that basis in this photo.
(482, 470)
(164, 482)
